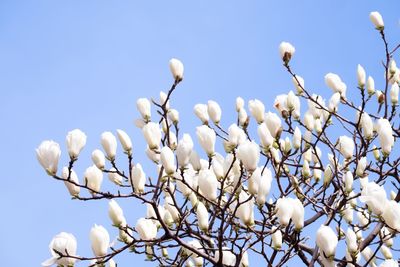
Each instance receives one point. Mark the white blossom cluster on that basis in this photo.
(261, 194)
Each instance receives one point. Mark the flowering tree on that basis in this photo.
(259, 198)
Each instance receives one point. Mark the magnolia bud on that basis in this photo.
(245, 209)
(201, 111)
(93, 178)
(99, 159)
(243, 118)
(115, 213)
(109, 143)
(264, 186)
(257, 110)
(202, 216)
(298, 214)
(360, 76)
(370, 85)
(351, 240)
(286, 50)
(361, 166)
(167, 160)
(334, 82)
(176, 67)
(144, 107)
(348, 181)
(138, 178)
(306, 169)
(249, 154)
(239, 104)
(385, 134)
(296, 138)
(114, 177)
(328, 174)
(298, 83)
(76, 140)
(377, 20)
(265, 136)
(214, 111)
(276, 238)
(334, 102)
(48, 154)
(309, 121)
(327, 241)
(380, 96)
(376, 153)
(206, 137)
(394, 94)
(125, 141)
(391, 214)
(317, 175)
(387, 253)
(146, 229)
(367, 126)
(64, 243)
(173, 115)
(152, 134)
(363, 218)
(284, 210)
(208, 184)
(375, 197)
(368, 256)
(346, 146)
(72, 188)
(100, 240)
(236, 135)
(274, 124)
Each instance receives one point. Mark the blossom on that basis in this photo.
(144, 107)
(167, 158)
(48, 153)
(385, 134)
(99, 159)
(298, 82)
(146, 229)
(152, 134)
(176, 67)
(228, 258)
(201, 111)
(202, 216)
(109, 143)
(391, 215)
(327, 241)
(184, 150)
(264, 186)
(286, 50)
(375, 197)
(138, 178)
(115, 213)
(297, 213)
(239, 103)
(257, 110)
(100, 240)
(62, 243)
(394, 93)
(334, 82)
(73, 189)
(93, 178)
(125, 141)
(249, 154)
(361, 76)
(370, 85)
(214, 111)
(351, 240)
(276, 238)
(346, 146)
(284, 210)
(76, 140)
(273, 123)
(208, 184)
(265, 136)
(173, 115)
(377, 20)
(115, 177)
(206, 137)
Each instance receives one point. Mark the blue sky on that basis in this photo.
(82, 64)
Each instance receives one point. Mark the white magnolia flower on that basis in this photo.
(99, 159)
(273, 123)
(48, 153)
(176, 67)
(348, 181)
(346, 146)
(386, 252)
(375, 197)
(377, 20)
(184, 150)
(389, 263)
(116, 213)
(284, 210)
(367, 125)
(208, 184)
(297, 213)
(152, 134)
(334, 102)
(72, 188)
(125, 141)
(115, 177)
(327, 241)
(76, 140)
(206, 137)
(228, 258)
(264, 186)
(334, 82)
(391, 215)
(394, 93)
(244, 207)
(385, 134)
(138, 178)
(286, 50)
(370, 85)
(351, 240)
(201, 111)
(100, 240)
(361, 166)
(144, 107)
(202, 216)
(276, 238)
(93, 178)
(297, 138)
(146, 229)
(265, 136)
(368, 256)
(173, 115)
(214, 111)
(298, 82)
(257, 110)
(109, 143)
(361, 76)
(249, 154)
(167, 158)
(63, 243)
(239, 104)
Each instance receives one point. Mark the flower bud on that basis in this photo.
(387, 253)
(367, 126)
(109, 143)
(286, 50)
(370, 85)
(249, 154)
(361, 166)
(100, 240)
(298, 214)
(265, 136)
(72, 188)
(328, 174)
(125, 141)
(214, 111)
(167, 158)
(48, 154)
(146, 229)
(201, 111)
(144, 107)
(274, 124)
(163, 98)
(334, 82)
(152, 134)
(368, 256)
(76, 140)
(176, 67)
(245, 208)
(334, 102)
(206, 137)
(114, 177)
(348, 181)
(346, 146)
(377, 20)
(208, 184)
(391, 215)
(202, 216)
(264, 186)
(394, 94)
(239, 104)
(327, 241)
(296, 138)
(243, 118)
(276, 238)
(64, 243)
(115, 213)
(351, 240)
(363, 218)
(380, 96)
(317, 175)
(93, 178)
(284, 210)
(309, 121)
(298, 82)
(138, 178)
(375, 197)
(173, 115)
(306, 169)
(99, 159)
(385, 134)
(361, 76)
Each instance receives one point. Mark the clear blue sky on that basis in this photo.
(82, 64)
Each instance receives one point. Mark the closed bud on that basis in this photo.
(125, 141)
(297, 138)
(114, 177)
(363, 218)
(346, 146)
(173, 115)
(264, 186)
(146, 229)
(394, 94)
(276, 238)
(298, 214)
(239, 104)
(306, 169)
(206, 137)
(202, 216)
(309, 121)
(257, 110)
(152, 155)
(76, 140)
(284, 210)
(48, 155)
(73, 189)
(249, 154)
(152, 135)
(243, 118)
(387, 253)
(348, 181)
(377, 20)
(109, 143)
(138, 178)
(115, 213)
(317, 175)
(385, 134)
(99, 159)
(208, 184)
(328, 174)
(100, 240)
(334, 82)
(351, 240)
(392, 195)
(367, 126)
(286, 50)
(334, 102)
(380, 96)
(93, 179)
(375, 197)
(201, 111)
(176, 67)
(361, 166)
(327, 241)
(144, 107)
(391, 214)
(274, 124)
(184, 150)
(214, 111)
(168, 160)
(368, 256)
(376, 153)
(361, 76)
(370, 85)
(265, 136)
